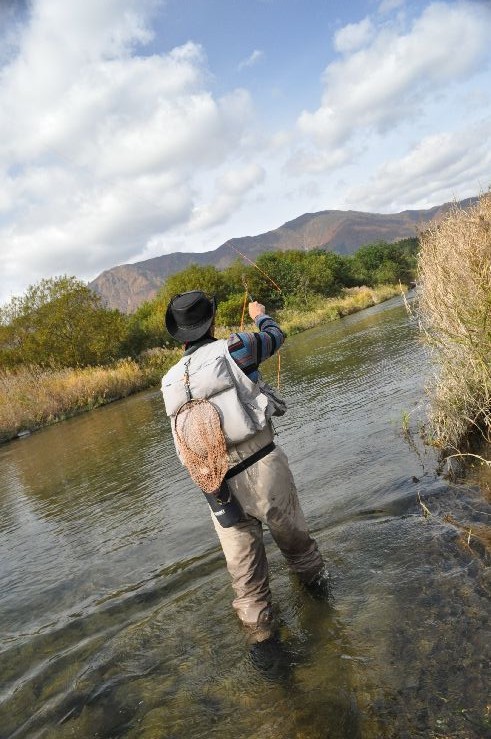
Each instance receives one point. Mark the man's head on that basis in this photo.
(189, 316)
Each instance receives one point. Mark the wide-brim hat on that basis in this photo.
(190, 315)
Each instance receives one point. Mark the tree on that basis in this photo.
(273, 266)
(229, 311)
(59, 322)
(340, 267)
(382, 262)
(234, 276)
(146, 328)
(206, 278)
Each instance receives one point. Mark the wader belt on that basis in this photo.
(249, 461)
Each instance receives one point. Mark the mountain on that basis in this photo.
(128, 285)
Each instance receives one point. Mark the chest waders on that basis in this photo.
(226, 508)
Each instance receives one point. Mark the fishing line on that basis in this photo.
(244, 305)
(258, 268)
(248, 296)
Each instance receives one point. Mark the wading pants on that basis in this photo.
(267, 495)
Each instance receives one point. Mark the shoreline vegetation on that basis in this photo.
(33, 397)
(454, 310)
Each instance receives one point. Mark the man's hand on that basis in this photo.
(256, 309)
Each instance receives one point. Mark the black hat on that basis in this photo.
(190, 315)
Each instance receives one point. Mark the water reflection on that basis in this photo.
(115, 602)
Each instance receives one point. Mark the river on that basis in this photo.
(115, 603)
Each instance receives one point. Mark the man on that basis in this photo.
(259, 479)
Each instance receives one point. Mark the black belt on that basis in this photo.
(238, 468)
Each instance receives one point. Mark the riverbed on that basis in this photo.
(115, 607)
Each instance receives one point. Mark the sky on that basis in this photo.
(135, 128)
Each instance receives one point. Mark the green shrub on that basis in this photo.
(229, 312)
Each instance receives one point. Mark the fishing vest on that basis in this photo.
(245, 407)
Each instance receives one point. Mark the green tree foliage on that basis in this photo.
(146, 328)
(340, 267)
(284, 273)
(234, 276)
(298, 273)
(59, 322)
(208, 279)
(147, 325)
(381, 262)
(229, 311)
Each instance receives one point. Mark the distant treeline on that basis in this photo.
(60, 322)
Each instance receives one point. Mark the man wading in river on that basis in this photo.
(220, 411)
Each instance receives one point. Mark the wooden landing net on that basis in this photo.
(201, 443)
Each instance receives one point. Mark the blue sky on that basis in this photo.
(133, 128)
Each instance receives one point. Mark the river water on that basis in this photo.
(115, 603)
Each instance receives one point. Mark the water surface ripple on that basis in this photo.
(115, 603)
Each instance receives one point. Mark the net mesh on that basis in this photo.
(201, 443)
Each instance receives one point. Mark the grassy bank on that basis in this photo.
(454, 274)
(324, 310)
(31, 398)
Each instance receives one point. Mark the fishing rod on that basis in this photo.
(248, 297)
(275, 285)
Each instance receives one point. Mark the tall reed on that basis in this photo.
(454, 273)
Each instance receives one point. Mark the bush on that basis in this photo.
(229, 312)
(59, 322)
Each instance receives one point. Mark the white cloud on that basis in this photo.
(354, 35)
(99, 147)
(441, 167)
(378, 86)
(387, 6)
(231, 187)
(112, 150)
(307, 161)
(251, 60)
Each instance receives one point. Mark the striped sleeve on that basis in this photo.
(249, 349)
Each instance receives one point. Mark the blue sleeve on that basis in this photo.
(248, 349)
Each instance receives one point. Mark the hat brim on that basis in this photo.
(189, 334)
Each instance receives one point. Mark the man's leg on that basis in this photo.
(290, 532)
(244, 552)
(276, 503)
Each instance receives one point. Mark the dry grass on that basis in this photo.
(352, 300)
(455, 313)
(32, 397)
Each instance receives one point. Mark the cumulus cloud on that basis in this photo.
(113, 150)
(387, 6)
(100, 144)
(354, 35)
(441, 167)
(231, 187)
(382, 83)
(251, 60)
(305, 161)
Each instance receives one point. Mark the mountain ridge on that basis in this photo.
(126, 286)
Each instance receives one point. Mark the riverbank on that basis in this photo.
(32, 398)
